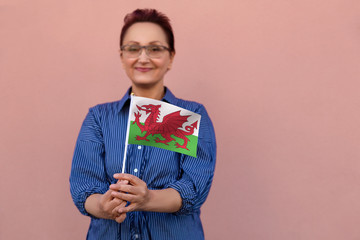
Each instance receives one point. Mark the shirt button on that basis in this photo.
(135, 170)
(136, 236)
(139, 147)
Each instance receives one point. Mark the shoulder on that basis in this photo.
(186, 104)
(189, 105)
(105, 108)
(105, 111)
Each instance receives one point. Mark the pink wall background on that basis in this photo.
(280, 80)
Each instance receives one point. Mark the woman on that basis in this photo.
(161, 192)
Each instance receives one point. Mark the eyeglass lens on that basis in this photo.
(152, 51)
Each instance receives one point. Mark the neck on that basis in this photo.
(157, 92)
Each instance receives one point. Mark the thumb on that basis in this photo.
(107, 195)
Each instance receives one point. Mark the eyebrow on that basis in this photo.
(153, 42)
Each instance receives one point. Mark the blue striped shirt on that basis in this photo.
(98, 155)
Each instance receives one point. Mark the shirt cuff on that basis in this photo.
(81, 198)
(187, 193)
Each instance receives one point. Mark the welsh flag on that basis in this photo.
(163, 125)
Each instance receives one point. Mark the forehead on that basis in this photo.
(145, 33)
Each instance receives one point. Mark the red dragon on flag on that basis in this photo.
(160, 124)
(170, 125)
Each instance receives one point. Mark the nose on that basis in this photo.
(143, 57)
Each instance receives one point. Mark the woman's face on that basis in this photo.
(144, 71)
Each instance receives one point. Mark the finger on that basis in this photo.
(129, 177)
(107, 202)
(120, 218)
(125, 196)
(115, 202)
(107, 196)
(122, 188)
(123, 182)
(110, 209)
(115, 186)
(115, 212)
(130, 208)
(119, 204)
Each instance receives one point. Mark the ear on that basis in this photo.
(121, 58)
(172, 56)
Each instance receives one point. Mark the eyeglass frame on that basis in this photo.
(145, 47)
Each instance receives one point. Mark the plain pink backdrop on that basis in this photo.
(279, 78)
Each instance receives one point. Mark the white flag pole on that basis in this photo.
(127, 134)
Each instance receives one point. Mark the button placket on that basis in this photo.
(138, 159)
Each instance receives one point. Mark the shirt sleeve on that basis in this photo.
(88, 171)
(197, 173)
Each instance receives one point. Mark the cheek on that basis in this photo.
(126, 64)
(162, 64)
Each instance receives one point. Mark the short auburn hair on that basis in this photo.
(153, 16)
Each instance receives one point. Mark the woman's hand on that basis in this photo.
(105, 205)
(141, 198)
(136, 192)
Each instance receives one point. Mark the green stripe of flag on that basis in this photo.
(191, 145)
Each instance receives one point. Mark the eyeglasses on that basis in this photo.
(152, 51)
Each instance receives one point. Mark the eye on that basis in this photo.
(133, 48)
(155, 48)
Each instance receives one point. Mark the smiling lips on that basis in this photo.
(142, 69)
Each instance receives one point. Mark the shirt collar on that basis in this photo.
(168, 97)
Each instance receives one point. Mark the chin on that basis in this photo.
(137, 82)
(145, 84)
(145, 81)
